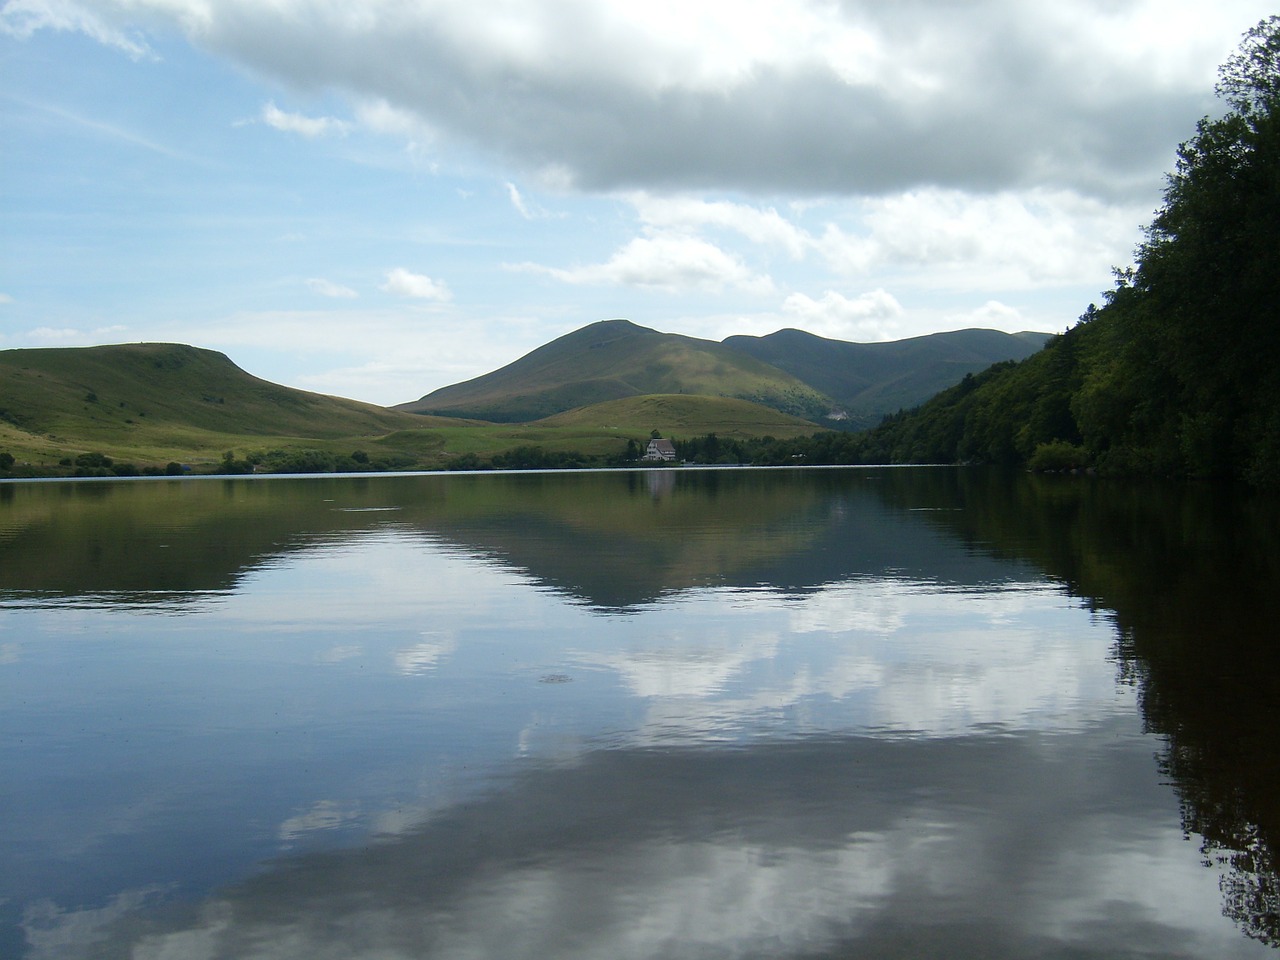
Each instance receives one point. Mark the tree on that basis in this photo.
(1250, 79)
(1208, 275)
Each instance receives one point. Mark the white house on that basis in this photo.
(660, 450)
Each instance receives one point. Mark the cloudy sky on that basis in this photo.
(377, 199)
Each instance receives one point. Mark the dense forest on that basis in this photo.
(1178, 372)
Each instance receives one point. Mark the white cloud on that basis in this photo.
(669, 262)
(327, 288)
(415, 285)
(323, 815)
(1011, 240)
(297, 123)
(425, 656)
(869, 316)
(5, 298)
(377, 355)
(22, 18)
(992, 315)
(381, 117)
(684, 213)
(528, 209)
(785, 156)
(686, 666)
(795, 96)
(54, 933)
(517, 201)
(857, 96)
(944, 239)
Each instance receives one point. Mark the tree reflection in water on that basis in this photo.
(1191, 576)
(1186, 573)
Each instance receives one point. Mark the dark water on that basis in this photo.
(853, 713)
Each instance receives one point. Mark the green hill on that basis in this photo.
(869, 380)
(681, 415)
(613, 359)
(151, 401)
(790, 371)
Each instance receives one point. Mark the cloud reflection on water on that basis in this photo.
(872, 654)
(864, 739)
(976, 845)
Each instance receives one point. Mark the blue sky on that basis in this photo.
(377, 199)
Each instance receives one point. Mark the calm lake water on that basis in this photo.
(681, 713)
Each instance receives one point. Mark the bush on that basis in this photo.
(1058, 455)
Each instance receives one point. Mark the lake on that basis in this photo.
(914, 712)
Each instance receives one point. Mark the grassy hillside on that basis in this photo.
(151, 404)
(158, 401)
(869, 380)
(614, 359)
(679, 415)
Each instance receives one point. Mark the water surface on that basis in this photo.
(676, 713)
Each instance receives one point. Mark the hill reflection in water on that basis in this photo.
(609, 539)
(719, 713)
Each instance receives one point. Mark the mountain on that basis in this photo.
(140, 396)
(613, 359)
(791, 371)
(683, 415)
(869, 380)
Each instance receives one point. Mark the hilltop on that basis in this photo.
(141, 407)
(868, 380)
(144, 407)
(613, 359)
(154, 401)
(828, 382)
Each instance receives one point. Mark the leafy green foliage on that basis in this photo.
(1058, 455)
(1177, 373)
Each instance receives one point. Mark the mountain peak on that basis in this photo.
(791, 371)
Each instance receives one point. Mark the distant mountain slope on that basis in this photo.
(683, 415)
(868, 380)
(613, 359)
(790, 371)
(153, 393)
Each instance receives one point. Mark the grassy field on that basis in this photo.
(149, 405)
(681, 416)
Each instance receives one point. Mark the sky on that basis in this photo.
(378, 199)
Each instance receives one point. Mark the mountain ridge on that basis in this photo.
(612, 360)
(589, 396)
(829, 382)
